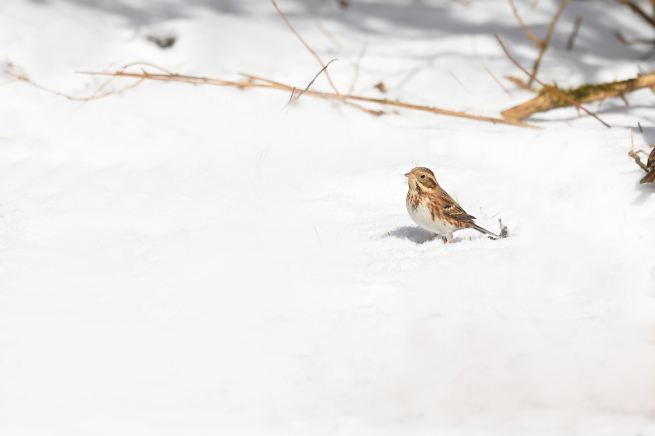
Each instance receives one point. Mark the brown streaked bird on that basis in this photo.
(433, 209)
(650, 177)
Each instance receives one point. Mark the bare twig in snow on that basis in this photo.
(546, 41)
(9, 70)
(549, 88)
(494, 77)
(583, 94)
(526, 29)
(305, 44)
(269, 84)
(623, 41)
(357, 64)
(650, 164)
(574, 33)
(521, 84)
(460, 83)
(636, 9)
(315, 77)
(542, 45)
(335, 42)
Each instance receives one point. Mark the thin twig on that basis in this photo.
(521, 84)
(574, 34)
(494, 77)
(634, 154)
(94, 96)
(359, 61)
(315, 77)
(327, 95)
(526, 29)
(305, 44)
(546, 41)
(335, 42)
(460, 83)
(638, 11)
(549, 88)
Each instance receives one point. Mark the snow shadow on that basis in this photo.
(414, 234)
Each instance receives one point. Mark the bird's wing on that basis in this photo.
(451, 209)
(651, 159)
(648, 178)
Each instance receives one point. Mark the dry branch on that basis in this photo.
(548, 88)
(546, 41)
(269, 84)
(649, 167)
(305, 44)
(542, 45)
(494, 77)
(636, 9)
(583, 94)
(521, 84)
(19, 76)
(357, 64)
(534, 38)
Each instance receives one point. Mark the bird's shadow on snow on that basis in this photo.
(414, 234)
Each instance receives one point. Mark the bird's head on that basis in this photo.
(421, 179)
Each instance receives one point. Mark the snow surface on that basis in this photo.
(194, 260)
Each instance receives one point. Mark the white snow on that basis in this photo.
(194, 260)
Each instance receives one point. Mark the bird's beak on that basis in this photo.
(410, 176)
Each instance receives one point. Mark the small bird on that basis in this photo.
(433, 209)
(650, 177)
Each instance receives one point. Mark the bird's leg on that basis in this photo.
(449, 237)
(433, 236)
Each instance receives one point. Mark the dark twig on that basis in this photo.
(549, 88)
(623, 41)
(574, 34)
(636, 9)
(315, 77)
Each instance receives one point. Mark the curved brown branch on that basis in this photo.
(549, 88)
(583, 94)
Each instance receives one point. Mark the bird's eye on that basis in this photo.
(423, 176)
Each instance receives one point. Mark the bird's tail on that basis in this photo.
(481, 230)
